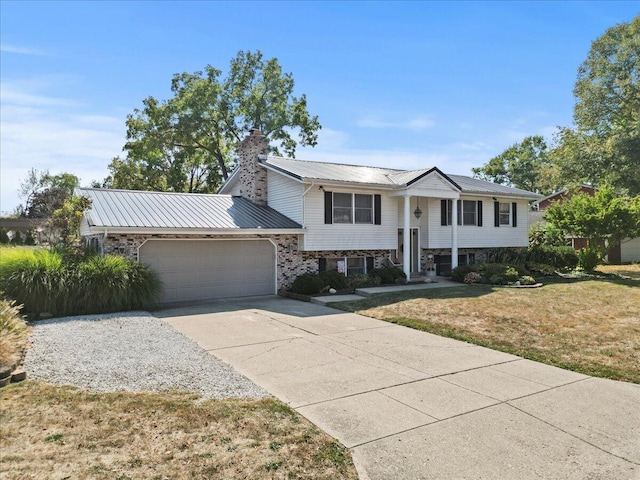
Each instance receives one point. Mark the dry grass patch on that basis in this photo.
(590, 326)
(632, 270)
(63, 432)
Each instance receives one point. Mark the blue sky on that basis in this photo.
(399, 84)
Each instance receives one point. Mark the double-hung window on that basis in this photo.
(505, 214)
(364, 208)
(342, 208)
(469, 212)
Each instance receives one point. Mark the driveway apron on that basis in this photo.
(411, 405)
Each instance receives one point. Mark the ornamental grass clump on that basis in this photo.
(13, 334)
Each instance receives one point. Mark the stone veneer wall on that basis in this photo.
(291, 261)
(252, 177)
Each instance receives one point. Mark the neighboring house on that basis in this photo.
(628, 250)
(276, 218)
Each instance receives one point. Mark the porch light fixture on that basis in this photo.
(417, 212)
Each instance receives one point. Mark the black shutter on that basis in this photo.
(328, 207)
(377, 209)
(443, 213)
(322, 265)
(459, 209)
(514, 213)
(369, 264)
(479, 213)
(496, 214)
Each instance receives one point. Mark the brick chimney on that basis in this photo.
(252, 177)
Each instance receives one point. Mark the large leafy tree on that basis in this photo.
(604, 218)
(524, 165)
(44, 193)
(605, 143)
(188, 143)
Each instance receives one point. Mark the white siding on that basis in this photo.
(432, 185)
(487, 236)
(352, 236)
(235, 190)
(630, 250)
(285, 195)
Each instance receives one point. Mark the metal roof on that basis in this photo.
(311, 170)
(142, 209)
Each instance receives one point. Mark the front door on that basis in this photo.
(414, 252)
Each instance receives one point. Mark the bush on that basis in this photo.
(308, 284)
(472, 277)
(387, 276)
(333, 279)
(506, 255)
(500, 274)
(48, 281)
(541, 268)
(13, 334)
(459, 273)
(556, 256)
(527, 280)
(359, 280)
(588, 259)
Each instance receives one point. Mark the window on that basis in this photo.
(469, 210)
(355, 265)
(364, 208)
(505, 214)
(347, 265)
(342, 211)
(347, 206)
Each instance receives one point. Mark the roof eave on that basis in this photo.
(96, 229)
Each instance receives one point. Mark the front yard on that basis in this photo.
(63, 432)
(591, 326)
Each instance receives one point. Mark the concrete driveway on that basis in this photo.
(412, 405)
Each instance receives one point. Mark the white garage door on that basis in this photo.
(209, 269)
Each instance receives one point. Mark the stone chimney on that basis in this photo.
(252, 177)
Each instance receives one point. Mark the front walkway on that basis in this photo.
(412, 405)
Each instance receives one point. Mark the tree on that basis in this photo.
(66, 220)
(45, 193)
(604, 146)
(524, 165)
(188, 142)
(604, 218)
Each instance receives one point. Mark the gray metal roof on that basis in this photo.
(308, 170)
(141, 209)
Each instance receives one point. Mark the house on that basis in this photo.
(628, 250)
(276, 218)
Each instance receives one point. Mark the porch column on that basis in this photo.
(406, 237)
(454, 233)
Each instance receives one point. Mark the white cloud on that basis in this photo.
(20, 50)
(416, 123)
(57, 134)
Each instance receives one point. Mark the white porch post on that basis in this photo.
(406, 237)
(454, 233)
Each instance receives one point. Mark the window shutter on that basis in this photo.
(459, 209)
(496, 214)
(479, 223)
(328, 207)
(369, 264)
(443, 213)
(377, 209)
(514, 214)
(322, 265)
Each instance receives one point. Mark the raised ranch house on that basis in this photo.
(276, 218)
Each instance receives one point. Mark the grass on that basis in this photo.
(62, 432)
(588, 325)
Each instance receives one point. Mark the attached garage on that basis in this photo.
(202, 246)
(210, 269)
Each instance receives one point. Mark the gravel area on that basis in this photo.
(131, 352)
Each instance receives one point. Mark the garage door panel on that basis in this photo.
(198, 270)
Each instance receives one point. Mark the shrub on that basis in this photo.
(13, 334)
(459, 273)
(541, 268)
(308, 284)
(333, 279)
(527, 280)
(499, 273)
(511, 256)
(387, 275)
(588, 258)
(472, 277)
(556, 256)
(47, 281)
(359, 280)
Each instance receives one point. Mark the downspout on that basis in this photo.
(104, 241)
(304, 206)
